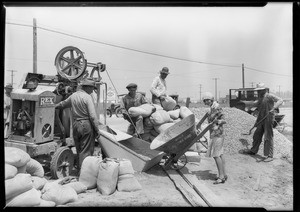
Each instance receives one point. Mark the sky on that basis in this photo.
(203, 47)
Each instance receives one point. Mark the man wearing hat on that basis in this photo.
(267, 104)
(159, 86)
(7, 102)
(85, 121)
(133, 99)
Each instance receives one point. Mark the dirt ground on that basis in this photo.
(251, 183)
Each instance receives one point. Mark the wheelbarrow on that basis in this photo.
(177, 139)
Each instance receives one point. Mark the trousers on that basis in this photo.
(265, 129)
(84, 139)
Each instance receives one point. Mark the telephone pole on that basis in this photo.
(12, 76)
(34, 47)
(200, 93)
(216, 90)
(243, 77)
(252, 83)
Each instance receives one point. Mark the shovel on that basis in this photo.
(255, 125)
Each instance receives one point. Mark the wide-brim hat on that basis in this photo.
(131, 85)
(260, 86)
(165, 70)
(8, 86)
(88, 82)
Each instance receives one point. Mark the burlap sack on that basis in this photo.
(168, 103)
(125, 167)
(46, 203)
(128, 183)
(108, 176)
(136, 111)
(148, 109)
(174, 114)
(77, 186)
(17, 185)
(10, 171)
(59, 194)
(34, 168)
(184, 112)
(160, 117)
(38, 182)
(16, 157)
(30, 198)
(89, 171)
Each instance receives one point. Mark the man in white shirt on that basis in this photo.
(159, 86)
(7, 102)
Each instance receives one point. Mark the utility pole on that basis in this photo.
(200, 93)
(216, 90)
(34, 47)
(12, 76)
(252, 83)
(243, 77)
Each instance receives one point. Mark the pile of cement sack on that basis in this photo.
(26, 186)
(108, 175)
(160, 120)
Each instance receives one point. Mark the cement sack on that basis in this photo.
(10, 171)
(136, 111)
(38, 182)
(108, 176)
(89, 171)
(125, 167)
(77, 186)
(148, 109)
(158, 107)
(30, 198)
(17, 185)
(128, 183)
(59, 194)
(161, 128)
(184, 112)
(168, 103)
(22, 169)
(16, 157)
(174, 114)
(160, 117)
(34, 168)
(46, 203)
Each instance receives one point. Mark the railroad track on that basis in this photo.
(194, 191)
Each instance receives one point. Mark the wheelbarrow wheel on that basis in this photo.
(175, 165)
(62, 163)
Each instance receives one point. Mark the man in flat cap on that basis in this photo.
(267, 104)
(133, 99)
(85, 121)
(159, 86)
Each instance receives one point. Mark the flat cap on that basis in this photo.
(131, 85)
(8, 86)
(165, 70)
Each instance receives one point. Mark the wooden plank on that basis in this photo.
(190, 194)
(210, 196)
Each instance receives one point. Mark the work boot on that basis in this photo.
(248, 152)
(268, 159)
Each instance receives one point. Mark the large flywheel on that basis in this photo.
(70, 63)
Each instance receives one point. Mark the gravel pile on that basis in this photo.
(239, 122)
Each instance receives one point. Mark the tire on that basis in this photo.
(62, 162)
(108, 112)
(119, 113)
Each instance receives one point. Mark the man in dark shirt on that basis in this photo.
(85, 121)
